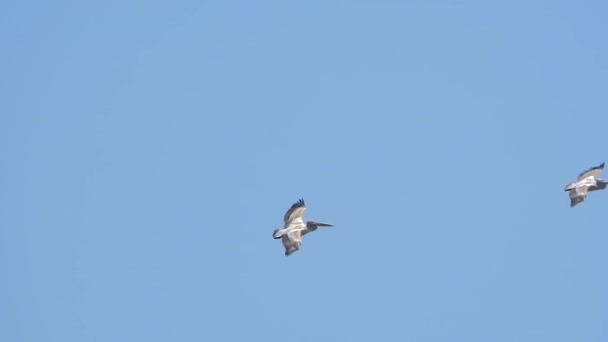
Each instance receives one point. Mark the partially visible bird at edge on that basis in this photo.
(587, 181)
(294, 227)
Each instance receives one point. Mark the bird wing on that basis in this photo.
(577, 195)
(594, 171)
(295, 212)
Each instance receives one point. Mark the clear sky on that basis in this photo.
(149, 149)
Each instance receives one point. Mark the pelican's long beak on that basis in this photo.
(321, 224)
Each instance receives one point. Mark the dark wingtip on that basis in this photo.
(299, 203)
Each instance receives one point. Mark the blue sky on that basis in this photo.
(150, 149)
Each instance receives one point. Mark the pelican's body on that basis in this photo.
(294, 227)
(587, 181)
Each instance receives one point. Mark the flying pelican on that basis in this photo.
(586, 182)
(294, 227)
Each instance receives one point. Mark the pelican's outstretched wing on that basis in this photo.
(295, 212)
(577, 195)
(594, 171)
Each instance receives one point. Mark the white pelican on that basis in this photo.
(587, 182)
(294, 227)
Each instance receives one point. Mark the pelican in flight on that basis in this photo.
(586, 182)
(294, 227)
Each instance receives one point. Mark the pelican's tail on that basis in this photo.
(278, 233)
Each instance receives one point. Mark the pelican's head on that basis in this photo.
(569, 187)
(319, 224)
